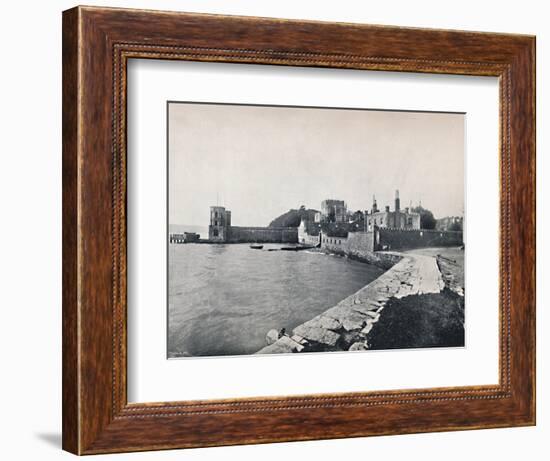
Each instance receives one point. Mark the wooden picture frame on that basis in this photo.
(97, 43)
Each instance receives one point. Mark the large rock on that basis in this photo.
(272, 336)
(278, 347)
(319, 335)
(368, 307)
(322, 321)
(285, 345)
(358, 346)
(354, 321)
(374, 316)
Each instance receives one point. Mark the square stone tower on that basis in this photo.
(220, 222)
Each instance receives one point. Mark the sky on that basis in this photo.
(259, 162)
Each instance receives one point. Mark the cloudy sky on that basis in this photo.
(261, 161)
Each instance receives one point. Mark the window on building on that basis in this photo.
(215, 232)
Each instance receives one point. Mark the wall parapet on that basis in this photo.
(242, 234)
(403, 239)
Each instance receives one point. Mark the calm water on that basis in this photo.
(223, 299)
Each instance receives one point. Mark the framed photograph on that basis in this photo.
(282, 230)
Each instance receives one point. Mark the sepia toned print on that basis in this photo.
(301, 229)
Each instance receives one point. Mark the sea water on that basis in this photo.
(224, 298)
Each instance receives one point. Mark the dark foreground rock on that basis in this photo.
(429, 320)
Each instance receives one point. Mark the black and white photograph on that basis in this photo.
(313, 229)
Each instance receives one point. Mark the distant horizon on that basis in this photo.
(262, 161)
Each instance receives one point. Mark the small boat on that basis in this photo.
(256, 247)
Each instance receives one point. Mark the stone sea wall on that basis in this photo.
(358, 246)
(404, 239)
(309, 240)
(239, 234)
(347, 325)
(362, 245)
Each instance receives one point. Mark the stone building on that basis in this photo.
(220, 224)
(397, 219)
(309, 233)
(334, 210)
(186, 237)
(191, 237)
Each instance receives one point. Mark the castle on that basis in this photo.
(397, 219)
(364, 232)
(336, 229)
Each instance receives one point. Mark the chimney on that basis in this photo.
(407, 210)
(397, 202)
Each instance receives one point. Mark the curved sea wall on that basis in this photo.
(348, 325)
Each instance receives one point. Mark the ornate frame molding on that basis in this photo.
(94, 162)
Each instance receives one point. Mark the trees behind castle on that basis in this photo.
(427, 220)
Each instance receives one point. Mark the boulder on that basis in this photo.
(329, 323)
(374, 316)
(272, 336)
(320, 335)
(321, 321)
(354, 321)
(278, 347)
(358, 346)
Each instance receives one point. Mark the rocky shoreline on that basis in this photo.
(419, 299)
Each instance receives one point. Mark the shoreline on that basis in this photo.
(413, 283)
(383, 260)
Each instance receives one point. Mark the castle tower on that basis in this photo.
(219, 225)
(397, 201)
(374, 205)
